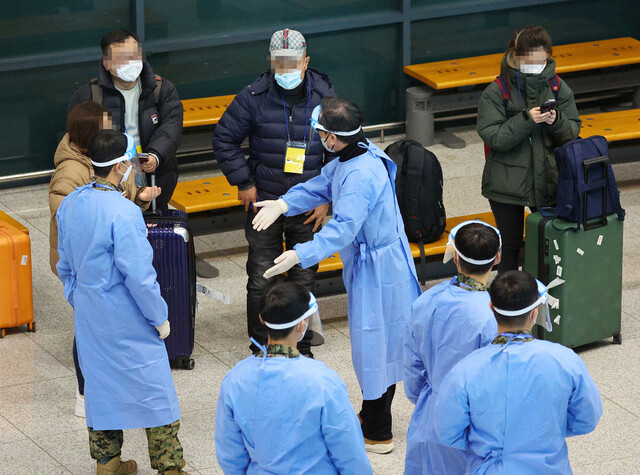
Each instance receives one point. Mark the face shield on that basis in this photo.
(314, 322)
(317, 126)
(129, 155)
(451, 245)
(542, 303)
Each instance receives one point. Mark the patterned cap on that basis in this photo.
(287, 43)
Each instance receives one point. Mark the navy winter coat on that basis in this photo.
(258, 112)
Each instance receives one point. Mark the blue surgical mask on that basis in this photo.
(289, 81)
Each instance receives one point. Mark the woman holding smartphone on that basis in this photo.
(520, 168)
(73, 169)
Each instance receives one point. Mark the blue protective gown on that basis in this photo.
(378, 269)
(287, 415)
(105, 265)
(514, 408)
(447, 323)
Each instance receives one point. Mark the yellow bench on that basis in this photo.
(614, 126)
(569, 58)
(204, 195)
(16, 224)
(333, 263)
(204, 111)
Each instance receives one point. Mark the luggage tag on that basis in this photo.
(294, 157)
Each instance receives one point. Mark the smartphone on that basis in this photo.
(548, 106)
(143, 157)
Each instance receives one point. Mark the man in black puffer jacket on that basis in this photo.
(141, 103)
(274, 112)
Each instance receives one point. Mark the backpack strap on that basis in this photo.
(96, 91)
(156, 91)
(554, 82)
(504, 88)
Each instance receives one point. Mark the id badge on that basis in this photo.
(294, 158)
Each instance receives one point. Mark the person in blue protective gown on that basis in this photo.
(280, 412)
(513, 402)
(120, 316)
(448, 322)
(368, 231)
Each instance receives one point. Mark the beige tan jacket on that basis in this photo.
(74, 169)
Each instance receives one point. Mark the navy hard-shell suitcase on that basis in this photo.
(174, 262)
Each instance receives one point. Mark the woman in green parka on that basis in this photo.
(520, 168)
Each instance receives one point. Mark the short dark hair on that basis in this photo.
(83, 122)
(104, 147)
(283, 302)
(342, 115)
(513, 290)
(479, 242)
(115, 36)
(530, 37)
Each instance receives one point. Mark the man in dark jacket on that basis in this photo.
(141, 103)
(274, 112)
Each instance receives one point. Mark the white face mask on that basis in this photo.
(532, 68)
(130, 71)
(126, 174)
(326, 147)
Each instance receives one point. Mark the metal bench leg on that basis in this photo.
(636, 97)
(205, 270)
(419, 124)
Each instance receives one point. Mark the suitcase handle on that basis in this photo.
(587, 165)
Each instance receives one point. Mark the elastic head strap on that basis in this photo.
(316, 125)
(313, 308)
(128, 155)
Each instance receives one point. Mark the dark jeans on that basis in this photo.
(510, 222)
(78, 370)
(167, 182)
(376, 416)
(264, 247)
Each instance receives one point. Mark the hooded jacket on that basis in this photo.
(74, 169)
(259, 112)
(159, 125)
(521, 168)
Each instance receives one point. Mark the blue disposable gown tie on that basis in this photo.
(513, 406)
(105, 265)
(378, 269)
(447, 323)
(287, 415)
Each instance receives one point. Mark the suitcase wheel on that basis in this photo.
(188, 364)
(31, 327)
(617, 339)
(2, 332)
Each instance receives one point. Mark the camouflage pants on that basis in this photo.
(165, 451)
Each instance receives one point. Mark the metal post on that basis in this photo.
(419, 124)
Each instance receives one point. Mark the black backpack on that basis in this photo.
(419, 192)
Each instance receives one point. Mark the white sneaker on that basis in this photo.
(79, 410)
(379, 446)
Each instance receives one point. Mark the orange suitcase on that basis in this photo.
(5, 218)
(16, 291)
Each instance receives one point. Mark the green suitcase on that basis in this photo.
(589, 263)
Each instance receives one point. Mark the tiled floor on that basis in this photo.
(40, 435)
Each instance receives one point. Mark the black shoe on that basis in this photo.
(306, 352)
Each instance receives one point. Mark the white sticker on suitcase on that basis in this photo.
(555, 244)
(213, 294)
(557, 259)
(600, 238)
(580, 251)
(24, 260)
(559, 271)
(553, 302)
(557, 320)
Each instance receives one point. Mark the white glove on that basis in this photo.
(164, 330)
(284, 262)
(271, 210)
